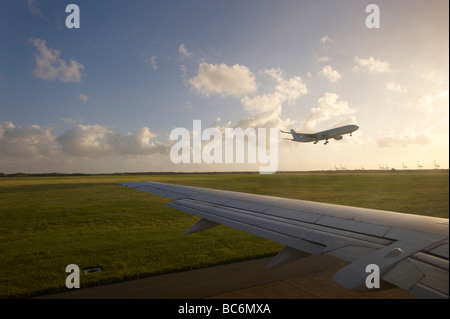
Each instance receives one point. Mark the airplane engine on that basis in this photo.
(339, 137)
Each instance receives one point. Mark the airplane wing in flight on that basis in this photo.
(410, 251)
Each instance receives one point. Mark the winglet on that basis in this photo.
(202, 224)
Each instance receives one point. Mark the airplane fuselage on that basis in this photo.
(335, 133)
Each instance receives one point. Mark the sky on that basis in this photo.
(105, 97)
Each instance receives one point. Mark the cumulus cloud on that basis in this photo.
(267, 108)
(30, 141)
(329, 106)
(331, 74)
(22, 148)
(408, 137)
(50, 66)
(222, 79)
(99, 141)
(372, 65)
(291, 89)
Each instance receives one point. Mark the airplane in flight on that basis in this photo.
(404, 250)
(335, 133)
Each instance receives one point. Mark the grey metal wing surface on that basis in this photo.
(410, 251)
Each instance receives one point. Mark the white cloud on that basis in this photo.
(267, 108)
(344, 121)
(71, 120)
(83, 97)
(99, 141)
(222, 79)
(152, 62)
(36, 148)
(30, 141)
(329, 106)
(325, 39)
(185, 53)
(184, 73)
(372, 65)
(331, 74)
(34, 9)
(323, 59)
(49, 65)
(395, 87)
(292, 88)
(408, 137)
(428, 103)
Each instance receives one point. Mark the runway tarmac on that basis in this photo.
(308, 278)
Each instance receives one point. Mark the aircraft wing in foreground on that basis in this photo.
(410, 251)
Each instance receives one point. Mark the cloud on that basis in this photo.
(330, 74)
(185, 53)
(49, 65)
(372, 65)
(222, 79)
(428, 103)
(30, 141)
(292, 88)
(36, 148)
(408, 137)
(71, 120)
(34, 9)
(323, 59)
(152, 62)
(83, 97)
(325, 39)
(267, 108)
(395, 87)
(99, 141)
(329, 106)
(344, 121)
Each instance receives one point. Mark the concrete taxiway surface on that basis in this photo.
(310, 277)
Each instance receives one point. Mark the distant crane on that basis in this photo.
(386, 167)
(381, 166)
(404, 166)
(436, 166)
(418, 165)
(336, 168)
(342, 167)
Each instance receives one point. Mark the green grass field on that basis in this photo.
(47, 223)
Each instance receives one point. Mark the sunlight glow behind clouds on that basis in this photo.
(165, 66)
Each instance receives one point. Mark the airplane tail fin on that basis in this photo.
(290, 132)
